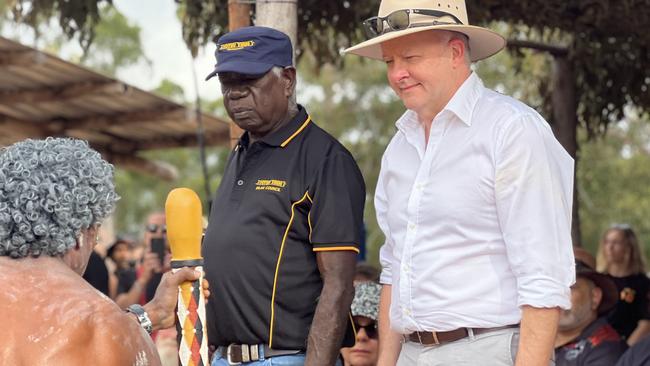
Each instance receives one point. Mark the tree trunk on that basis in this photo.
(281, 15)
(566, 124)
(238, 17)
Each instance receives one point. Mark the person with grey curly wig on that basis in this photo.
(54, 193)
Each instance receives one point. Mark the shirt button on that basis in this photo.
(411, 226)
(240, 182)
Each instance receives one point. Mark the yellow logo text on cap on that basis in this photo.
(234, 46)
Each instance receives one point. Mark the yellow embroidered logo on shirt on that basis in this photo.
(234, 46)
(627, 295)
(274, 185)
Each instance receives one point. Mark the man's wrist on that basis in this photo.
(154, 314)
(142, 316)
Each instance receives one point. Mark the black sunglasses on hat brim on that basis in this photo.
(401, 19)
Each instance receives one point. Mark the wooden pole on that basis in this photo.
(238, 17)
(565, 125)
(281, 15)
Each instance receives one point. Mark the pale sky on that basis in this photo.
(162, 43)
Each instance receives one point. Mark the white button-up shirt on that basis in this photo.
(477, 221)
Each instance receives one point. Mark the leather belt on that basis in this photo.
(435, 338)
(236, 354)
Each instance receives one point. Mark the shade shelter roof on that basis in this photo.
(42, 95)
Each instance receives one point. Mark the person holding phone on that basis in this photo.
(155, 261)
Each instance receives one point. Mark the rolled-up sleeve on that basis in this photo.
(534, 197)
(386, 251)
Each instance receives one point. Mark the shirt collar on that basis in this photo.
(461, 104)
(464, 100)
(286, 133)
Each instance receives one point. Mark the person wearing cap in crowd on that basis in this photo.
(54, 194)
(364, 310)
(584, 336)
(474, 197)
(285, 223)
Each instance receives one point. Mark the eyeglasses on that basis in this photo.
(371, 329)
(401, 19)
(153, 228)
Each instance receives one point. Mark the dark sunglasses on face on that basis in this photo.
(153, 228)
(371, 329)
(401, 19)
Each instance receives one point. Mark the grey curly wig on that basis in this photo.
(51, 190)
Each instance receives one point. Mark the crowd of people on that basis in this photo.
(606, 325)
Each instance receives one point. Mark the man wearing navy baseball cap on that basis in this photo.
(286, 221)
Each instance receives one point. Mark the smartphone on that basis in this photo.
(158, 247)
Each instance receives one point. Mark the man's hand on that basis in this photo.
(538, 329)
(389, 341)
(161, 307)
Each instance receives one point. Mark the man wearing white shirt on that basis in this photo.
(474, 197)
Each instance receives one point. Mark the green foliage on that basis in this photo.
(608, 41)
(142, 194)
(170, 90)
(76, 18)
(613, 180)
(116, 43)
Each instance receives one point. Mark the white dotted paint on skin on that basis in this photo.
(37, 338)
(141, 359)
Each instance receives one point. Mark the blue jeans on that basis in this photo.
(289, 360)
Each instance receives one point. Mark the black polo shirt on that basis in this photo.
(285, 197)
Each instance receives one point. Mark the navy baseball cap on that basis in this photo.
(252, 51)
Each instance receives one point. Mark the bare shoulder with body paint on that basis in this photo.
(51, 316)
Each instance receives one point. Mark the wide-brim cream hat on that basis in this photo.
(483, 42)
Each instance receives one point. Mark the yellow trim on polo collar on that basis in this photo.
(297, 132)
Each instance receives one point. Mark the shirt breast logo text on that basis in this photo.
(274, 185)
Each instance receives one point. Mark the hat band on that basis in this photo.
(401, 19)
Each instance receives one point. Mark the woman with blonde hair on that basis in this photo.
(621, 256)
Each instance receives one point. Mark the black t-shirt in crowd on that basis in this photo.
(125, 279)
(597, 345)
(632, 305)
(96, 273)
(637, 355)
(282, 199)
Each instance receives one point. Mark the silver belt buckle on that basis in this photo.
(229, 356)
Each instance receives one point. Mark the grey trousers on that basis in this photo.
(498, 348)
